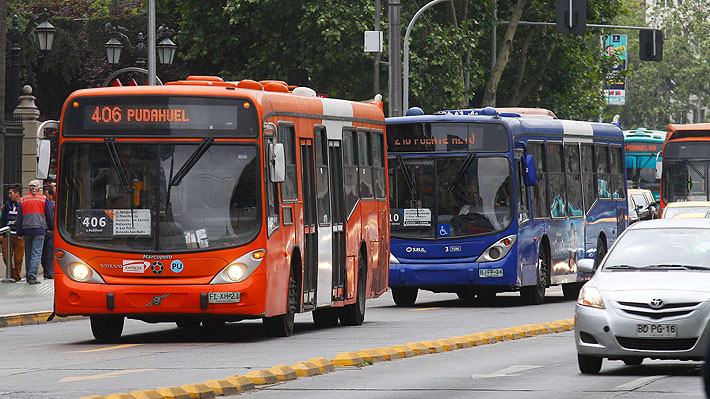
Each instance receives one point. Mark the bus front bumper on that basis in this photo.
(499, 273)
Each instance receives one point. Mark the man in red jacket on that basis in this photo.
(34, 221)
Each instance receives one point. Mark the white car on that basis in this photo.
(649, 298)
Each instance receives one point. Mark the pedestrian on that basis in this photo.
(48, 248)
(35, 219)
(10, 213)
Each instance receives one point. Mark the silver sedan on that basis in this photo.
(649, 297)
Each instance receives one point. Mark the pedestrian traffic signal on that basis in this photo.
(571, 16)
(651, 45)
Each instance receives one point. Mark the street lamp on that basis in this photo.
(45, 37)
(165, 48)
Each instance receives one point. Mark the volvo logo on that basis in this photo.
(415, 249)
(656, 303)
(157, 300)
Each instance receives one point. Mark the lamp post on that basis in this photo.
(165, 47)
(45, 37)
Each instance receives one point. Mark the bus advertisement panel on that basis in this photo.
(483, 202)
(205, 201)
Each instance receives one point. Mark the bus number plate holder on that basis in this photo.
(224, 297)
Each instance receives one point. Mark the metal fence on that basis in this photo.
(13, 153)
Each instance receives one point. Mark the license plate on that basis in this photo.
(224, 297)
(483, 273)
(656, 330)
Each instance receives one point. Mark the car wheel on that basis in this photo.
(405, 296)
(633, 361)
(589, 364)
(107, 328)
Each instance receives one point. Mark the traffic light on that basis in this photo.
(577, 9)
(651, 45)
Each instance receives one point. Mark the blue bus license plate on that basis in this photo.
(483, 273)
(224, 297)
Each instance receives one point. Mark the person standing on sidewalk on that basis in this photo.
(10, 212)
(34, 220)
(48, 248)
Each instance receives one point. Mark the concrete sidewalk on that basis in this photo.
(23, 298)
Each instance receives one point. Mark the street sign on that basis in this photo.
(615, 87)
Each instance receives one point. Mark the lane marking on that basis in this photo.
(420, 309)
(104, 375)
(110, 348)
(511, 371)
(638, 383)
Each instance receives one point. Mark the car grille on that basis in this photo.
(658, 344)
(665, 311)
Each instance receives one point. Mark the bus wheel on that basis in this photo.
(354, 315)
(327, 317)
(282, 325)
(535, 294)
(107, 328)
(405, 296)
(571, 290)
(601, 252)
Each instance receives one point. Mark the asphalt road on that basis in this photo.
(61, 360)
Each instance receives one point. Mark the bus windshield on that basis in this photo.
(641, 170)
(159, 197)
(440, 197)
(685, 180)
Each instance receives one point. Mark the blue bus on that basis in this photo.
(483, 202)
(643, 147)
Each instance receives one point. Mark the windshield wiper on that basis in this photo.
(620, 267)
(676, 266)
(460, 174)
(408, 179)
(199, 152)
(118, 165)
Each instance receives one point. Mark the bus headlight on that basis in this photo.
(76, 269)
(497, 250)
(240, 269)
(80, 271)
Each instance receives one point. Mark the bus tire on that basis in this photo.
(324, 318)
(571, 290)
(282, 325)
(601, 252)
(107, 328)
(405, 296)
(354, 315)
(535, 294)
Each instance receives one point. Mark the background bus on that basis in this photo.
(686, 163)
(209, 201)
(483, 202)
(643, 148)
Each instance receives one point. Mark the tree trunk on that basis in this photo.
(515, 98)
(489, 97)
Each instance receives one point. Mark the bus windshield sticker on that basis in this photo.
(419, 217)
(107, 223)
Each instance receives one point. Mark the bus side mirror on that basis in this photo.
(659, 166)
(43, 154)
(277, 163)
(529, 176)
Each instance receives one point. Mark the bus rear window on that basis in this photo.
(151, 116)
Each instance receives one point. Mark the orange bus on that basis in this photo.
(685, 164)
(204, 201)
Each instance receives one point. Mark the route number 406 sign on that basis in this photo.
(107, 223)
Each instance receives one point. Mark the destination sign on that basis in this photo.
(446, 137)
(644, 147)
(160, 116)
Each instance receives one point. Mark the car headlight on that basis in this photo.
(497, 250)
(240, 269)
(590, 296)
(76, 269)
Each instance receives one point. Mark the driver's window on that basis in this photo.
(522, 191)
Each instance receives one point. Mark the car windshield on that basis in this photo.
(672, 212)
(667, 248)
(159, 197)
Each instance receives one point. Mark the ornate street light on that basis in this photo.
(165, 48)
(166, 51)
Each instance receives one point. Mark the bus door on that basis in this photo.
(324, 291)
(338, 211)
(310, 232)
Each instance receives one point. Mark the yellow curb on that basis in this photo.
(306, 369)
(418, 348)
(222, 387)
(475, 339)
(326, 366)
(539, 329)
(261, 377)
(372, 355)
(146, 394)
(461, 342)
(173, 393)
(284, 373)
(198, 391)
(558, 326)
(434, 347)
(491, 338)
(447, 343)
(120, 395)
(345, 359)
(403, 351)
(390, 354)
(514, 333)
(242, 383)
(22, 319)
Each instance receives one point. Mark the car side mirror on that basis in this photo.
(585, 266)
(529, 175)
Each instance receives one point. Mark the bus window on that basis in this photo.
(539, 197)
(289, 188)
(590, 192)
(378, 157)
(574, 182)
(272, 195)
(601, 155)
(522, 194)
(350, 157)
(322, 179)
(365, 163)
(555, 168)
(617, 172)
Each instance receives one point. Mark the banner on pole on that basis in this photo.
(615, 87)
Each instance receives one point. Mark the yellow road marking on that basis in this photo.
(110, 348)
(104, 375)
(420, 309)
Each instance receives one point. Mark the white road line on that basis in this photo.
(506, 372)
(638, 383)
(104, 375)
